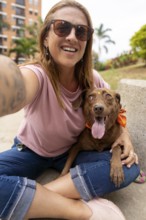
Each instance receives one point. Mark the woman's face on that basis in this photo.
(67, 50)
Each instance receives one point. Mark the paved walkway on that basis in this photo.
(131, 200)
(8, 129)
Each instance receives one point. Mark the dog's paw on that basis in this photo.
(117, 174)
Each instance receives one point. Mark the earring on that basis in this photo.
(81, 60)
(46, 51)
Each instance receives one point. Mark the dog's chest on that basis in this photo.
(87, 142)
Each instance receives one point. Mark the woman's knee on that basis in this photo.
(94, 180)
(130, 174)
(15, 191)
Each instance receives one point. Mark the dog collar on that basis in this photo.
(88, 126)
(121, 119)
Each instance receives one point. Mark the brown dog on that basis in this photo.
(101, 108)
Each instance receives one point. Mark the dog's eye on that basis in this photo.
(91, 98)
(108, 96)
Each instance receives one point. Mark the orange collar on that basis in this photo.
(121, 119)
(87, 125)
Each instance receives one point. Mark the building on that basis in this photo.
(14, 14)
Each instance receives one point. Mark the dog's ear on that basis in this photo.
(78, 102)
(118, 98)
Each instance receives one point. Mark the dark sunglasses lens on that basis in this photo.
(83, 33)
(62, 28)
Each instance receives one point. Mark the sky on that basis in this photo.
(123, 17)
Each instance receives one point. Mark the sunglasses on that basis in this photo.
(63, 28)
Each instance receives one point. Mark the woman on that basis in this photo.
(46, 90)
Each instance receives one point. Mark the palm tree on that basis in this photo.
(24, 47)
(101, 35)
(27, 47)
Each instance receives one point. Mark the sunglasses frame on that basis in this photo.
(89, 31)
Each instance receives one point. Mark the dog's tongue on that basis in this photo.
(98, 129)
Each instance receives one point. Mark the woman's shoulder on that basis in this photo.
(33, 67)
(36, 69)
(98, 80)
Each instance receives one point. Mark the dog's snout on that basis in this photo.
(98, 108)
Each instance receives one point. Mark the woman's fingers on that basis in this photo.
(130, 160)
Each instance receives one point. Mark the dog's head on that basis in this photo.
(101, 108)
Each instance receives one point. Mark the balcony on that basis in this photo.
(18, 16)
(18, 6)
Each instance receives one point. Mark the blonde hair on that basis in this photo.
(83, 69)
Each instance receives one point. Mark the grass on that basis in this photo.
(113, 76)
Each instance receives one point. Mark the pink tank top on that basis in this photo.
(47, 129)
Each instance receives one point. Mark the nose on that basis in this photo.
(72, 34)
(98, 108)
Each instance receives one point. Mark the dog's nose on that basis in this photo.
(98, 108)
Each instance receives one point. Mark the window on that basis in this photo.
(36, 13)
(36, 2)
(30, 11)
(20, 11)
(31, 22)
(19, 33)
(13, 7)
(3, 50)
(2, 39)
(19, 22)
(2, 5)
(3, 16)
(20, 2)
(31, 2)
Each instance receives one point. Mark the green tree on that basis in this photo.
(138, 43)
(103, 38)
(24, 47)
(27, 47)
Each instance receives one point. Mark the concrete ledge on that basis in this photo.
(133, 96)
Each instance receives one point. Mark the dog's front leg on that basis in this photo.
(72, 155)
(116, 172)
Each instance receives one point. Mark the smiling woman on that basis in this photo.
(133, 16)
(48, 88)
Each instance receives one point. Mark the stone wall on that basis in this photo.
(133, 99)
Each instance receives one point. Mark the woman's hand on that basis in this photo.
(128, 155)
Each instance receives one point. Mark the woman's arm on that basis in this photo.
(17, 88)
(12, 88)
(128, 156)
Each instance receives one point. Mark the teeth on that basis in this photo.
(69, 49)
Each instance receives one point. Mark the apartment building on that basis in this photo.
(14, 14)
